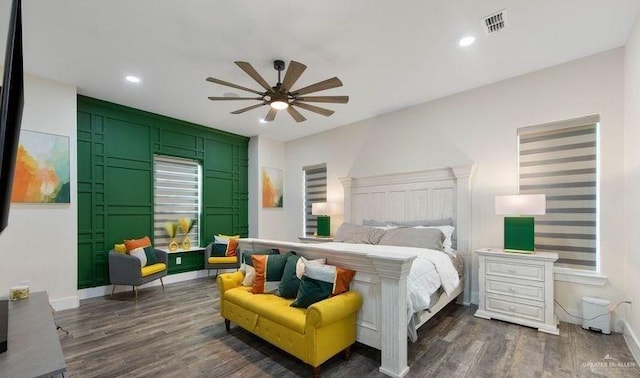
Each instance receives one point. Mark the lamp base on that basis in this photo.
(519, 234)
(324, 225)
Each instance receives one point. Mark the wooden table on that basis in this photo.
(33, 343)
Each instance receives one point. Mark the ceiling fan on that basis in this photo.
(281, 96)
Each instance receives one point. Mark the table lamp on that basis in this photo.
(320, 210)
(519, 230)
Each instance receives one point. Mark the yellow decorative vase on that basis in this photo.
(186, 243)
(173, 246)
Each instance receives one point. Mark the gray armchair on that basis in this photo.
(212, 262)
(126, 270)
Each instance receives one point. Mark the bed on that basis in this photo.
(381, 276)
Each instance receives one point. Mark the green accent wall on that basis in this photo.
(115, 181)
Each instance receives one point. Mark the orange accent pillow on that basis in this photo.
(343, 279)
(132, 244)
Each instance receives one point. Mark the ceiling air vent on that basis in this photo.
(495, 22)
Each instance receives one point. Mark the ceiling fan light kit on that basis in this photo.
(280, 96)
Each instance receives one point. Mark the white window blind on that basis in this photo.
(315, 190)
(176, 195)
(561, 161)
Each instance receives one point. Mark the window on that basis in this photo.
(315, 190)
(560, 160)
(176, 189)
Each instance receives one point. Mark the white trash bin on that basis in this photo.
(596, 315)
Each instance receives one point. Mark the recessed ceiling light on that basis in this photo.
(262, 120)
(467, 41)
(132, 79)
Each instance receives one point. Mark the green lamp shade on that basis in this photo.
(324, 225)
(519, 234)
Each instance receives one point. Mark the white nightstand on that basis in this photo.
(517, 288)
(315, 239)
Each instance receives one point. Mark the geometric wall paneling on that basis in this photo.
(115, 152)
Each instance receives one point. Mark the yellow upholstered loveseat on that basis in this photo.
(313, 335)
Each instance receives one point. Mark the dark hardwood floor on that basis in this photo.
(180, 334)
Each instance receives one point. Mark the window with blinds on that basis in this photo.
(315, 190)
(176, 189)
(561, 161)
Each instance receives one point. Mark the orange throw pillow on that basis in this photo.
(132, 244)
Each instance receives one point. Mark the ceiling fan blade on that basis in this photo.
(271, 115)
(334, 82)
(248, 68)
(233, 98)
(240, 111)
(296, 114)
(226, 83)
(313, 108)
(329, 99)
(294, 71)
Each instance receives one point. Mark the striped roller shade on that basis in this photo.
(560, 161)
(176, 195)
(315, 190)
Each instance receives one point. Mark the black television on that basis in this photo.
(10, 109)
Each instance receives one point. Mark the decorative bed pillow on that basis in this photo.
(132, 244)
(120, 248)
(430, 238)
(448, 234)
(139, 253)
(269, 270)
(320, 282)
(353, 233)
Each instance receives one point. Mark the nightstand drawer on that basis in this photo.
(514, 289)
(516, 309)
(522, 271)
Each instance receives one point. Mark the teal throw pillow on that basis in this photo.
(290, 282)
(246, 256)
(320, 282)
(152, 257)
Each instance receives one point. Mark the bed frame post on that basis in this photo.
(393, 308)
(346, 185)
(463, 176)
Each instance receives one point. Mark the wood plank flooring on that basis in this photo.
(179, 333)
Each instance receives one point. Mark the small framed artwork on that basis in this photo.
(42, 169)
(272, 188)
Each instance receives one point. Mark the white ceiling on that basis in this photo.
(388, 54)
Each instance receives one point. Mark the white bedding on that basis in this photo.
(430, 270)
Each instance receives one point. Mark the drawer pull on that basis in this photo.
(512, 271)
(512, 308)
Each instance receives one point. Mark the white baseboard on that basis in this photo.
(65, 303)
(101, 291)
(564, 317)
(632, 341)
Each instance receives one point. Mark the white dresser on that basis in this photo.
(517, 288)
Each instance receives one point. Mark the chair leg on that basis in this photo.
(208, 272)
(135, 289)
(112, 291)
(316, 371)
(162, 283)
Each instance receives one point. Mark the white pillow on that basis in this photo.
(302, 262)
(448, 233)
(139, 253)
(387, 227)
(249, 275)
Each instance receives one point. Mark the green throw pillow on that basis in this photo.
(152, 257)
(320, 282)
(289, 284)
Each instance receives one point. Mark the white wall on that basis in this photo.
(632, 188)
(266, 223)
(41, 244)
(480, 126)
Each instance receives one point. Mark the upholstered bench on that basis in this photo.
(313, 335)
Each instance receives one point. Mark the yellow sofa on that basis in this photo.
(313, 335)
